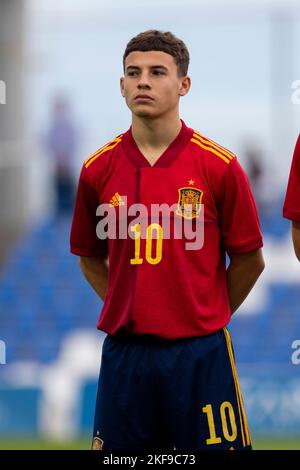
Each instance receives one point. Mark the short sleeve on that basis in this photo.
(291, 207)
(240, 226)
(84, 240)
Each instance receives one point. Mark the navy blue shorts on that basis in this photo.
(157, 394)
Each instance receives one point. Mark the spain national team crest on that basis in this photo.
(189, 202)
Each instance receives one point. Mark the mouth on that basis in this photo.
(143, 98)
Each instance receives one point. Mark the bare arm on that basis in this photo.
(296, 238)
(95, 270)
(242, 273)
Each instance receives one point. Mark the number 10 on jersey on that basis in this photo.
(151, 229)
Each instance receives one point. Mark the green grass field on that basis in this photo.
(84, 444)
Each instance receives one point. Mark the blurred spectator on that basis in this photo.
(256, 171)
(265, 189)
(62, 140)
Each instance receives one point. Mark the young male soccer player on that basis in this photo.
(291, 208)
(168, 376)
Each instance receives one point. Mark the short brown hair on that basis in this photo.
(154, 40)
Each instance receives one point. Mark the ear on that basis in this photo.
(185, 86)
(122, 86)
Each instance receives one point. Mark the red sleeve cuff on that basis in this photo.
(291, 215)
(246, 248)
(85, 251)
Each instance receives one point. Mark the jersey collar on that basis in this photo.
(171, 153)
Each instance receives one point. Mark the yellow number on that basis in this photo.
(211, 424)
(228, 406)
(159, 240)
(213, 439)
(137, 244)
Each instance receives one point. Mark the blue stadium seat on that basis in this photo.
(88, 400)
(19, 410)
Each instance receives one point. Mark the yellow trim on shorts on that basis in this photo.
(243, 419)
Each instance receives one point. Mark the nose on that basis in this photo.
(144, 81)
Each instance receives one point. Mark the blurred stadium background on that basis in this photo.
(60, 62)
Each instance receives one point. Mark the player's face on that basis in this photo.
(151, 85)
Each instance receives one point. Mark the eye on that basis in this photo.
(132, 73)
(158, 72)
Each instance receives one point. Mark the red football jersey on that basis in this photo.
(291, 208)
(156, 286)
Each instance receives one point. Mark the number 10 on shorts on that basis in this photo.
(227, 413)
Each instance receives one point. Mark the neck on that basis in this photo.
(155, 133)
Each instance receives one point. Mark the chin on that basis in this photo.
(144, 114)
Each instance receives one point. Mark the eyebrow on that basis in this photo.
(135, 67)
